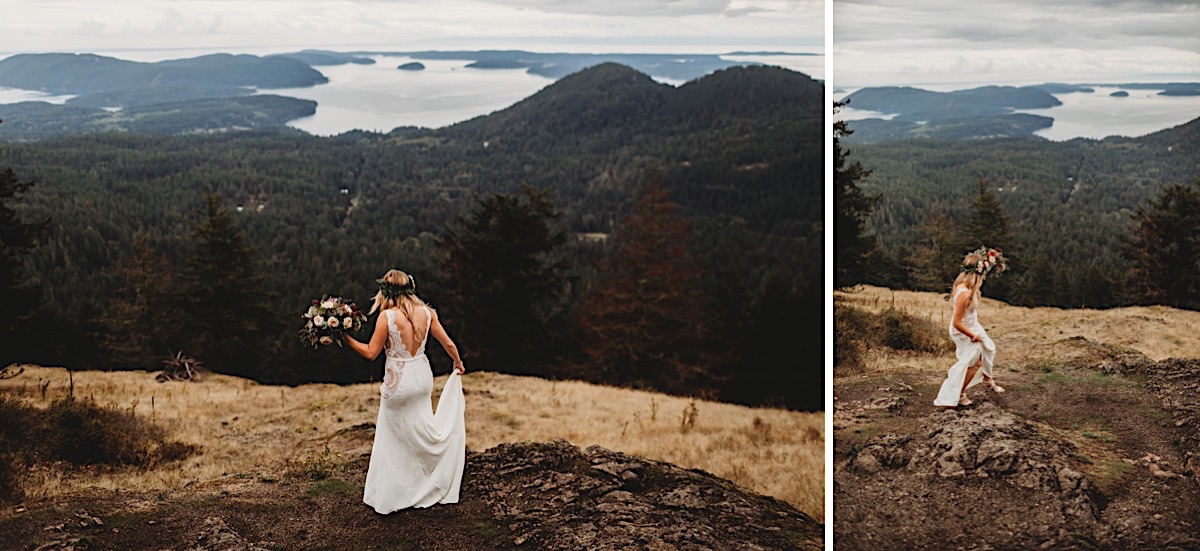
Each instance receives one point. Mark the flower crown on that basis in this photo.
(993, 259)
(391, 290)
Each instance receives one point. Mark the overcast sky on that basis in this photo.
(926, 42)
(263, 26)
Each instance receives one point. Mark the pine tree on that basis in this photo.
(1165, 250)
(19, 298)
(851, 207)
(225, 318)
(642, 319)
(136, 323)
(939, 253)
(988, 225)
(504, 282)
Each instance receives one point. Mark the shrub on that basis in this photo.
(85, 433)
(856, 330)
(79, 432)
(851, 331)
(904, 331)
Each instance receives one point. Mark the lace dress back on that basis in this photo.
(397, 354)
(418, 456)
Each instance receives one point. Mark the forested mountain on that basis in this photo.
(202, 94)
(740, 151)
(915, 104)
(33, 120)
(1071, 204)
(82, 74)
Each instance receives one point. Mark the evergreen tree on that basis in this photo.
(782, 318)
(19, 298)
(988, 225)
(642, 319)
(504, 282)
(852, 242)
(135, 327)
(225, 315)
(938, 254)
(1165, 250)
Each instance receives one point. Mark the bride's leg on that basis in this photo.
(970, 375)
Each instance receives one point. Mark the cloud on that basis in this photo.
(905, 41)
(660, 8)
(713, 25)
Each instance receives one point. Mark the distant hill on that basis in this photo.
(984, 112)
(39, 120)
(615, 99)
(914, 104)
(82, 74)
(995, 126)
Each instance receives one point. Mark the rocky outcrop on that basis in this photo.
(985, 442)
(555, 496)
(216, 535)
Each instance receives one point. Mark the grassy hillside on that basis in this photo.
(248, 431)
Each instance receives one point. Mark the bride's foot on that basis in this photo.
(995, 387)
(964, 401)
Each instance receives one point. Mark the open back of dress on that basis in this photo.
(418, 455)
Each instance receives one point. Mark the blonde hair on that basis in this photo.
(405, 301)
(971, 279)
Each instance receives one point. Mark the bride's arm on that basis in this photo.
(440, 334)
(372, 349)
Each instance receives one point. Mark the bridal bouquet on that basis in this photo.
(327, 319)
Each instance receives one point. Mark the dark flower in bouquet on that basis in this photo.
(327, 319)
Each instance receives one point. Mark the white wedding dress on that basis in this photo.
(968, 354)
(418, 455)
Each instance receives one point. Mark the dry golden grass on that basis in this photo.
(1024, 334)
(251, 430)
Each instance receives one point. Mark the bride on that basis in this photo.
(974, 349)
(418, 455)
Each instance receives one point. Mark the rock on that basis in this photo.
(660, 506)
(218, 536)
(985, 442)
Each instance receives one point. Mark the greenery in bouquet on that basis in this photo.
(327, 319)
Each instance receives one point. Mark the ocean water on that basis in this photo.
(1094, 115)
(381, 97)
(1098, 115)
